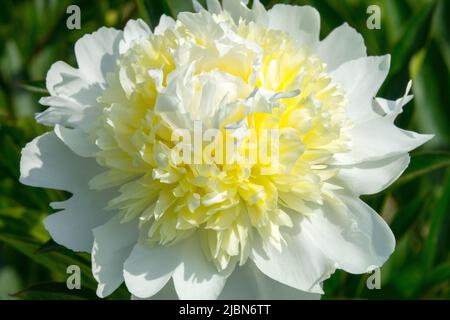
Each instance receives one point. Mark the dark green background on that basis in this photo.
(33, 35)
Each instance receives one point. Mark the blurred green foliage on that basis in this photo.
(33, 35)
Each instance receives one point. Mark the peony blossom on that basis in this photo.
(232, 229)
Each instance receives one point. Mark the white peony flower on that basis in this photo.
(232, 229)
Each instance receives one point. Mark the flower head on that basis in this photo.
(222, 150)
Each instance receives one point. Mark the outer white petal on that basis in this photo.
(394, 108)
(196, 278)
(302, 23)
(74, 92)
(47, 162)
(112, 246)
(341, 45)
(166, 293)
(148, 269)
(72, 226)
(71, 95)
(214, 6)
(379, 139)
(134, 30)
(361, 80)
(373, 176)
(165, 22)
(97, 54)
(352, 235)
(77, 140)
(238, 9)
(246, 283)
(300, 263)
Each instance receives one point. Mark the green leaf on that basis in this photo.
(440, 274)
(35, 87)
(56, 261)
(423, 164)
(408, 213)
(431, 85)
(49, 246)
(414, 37)
(177, 6)
(439, 227)
(55, 291)
(399, 14)
(152, 11)
(9, 282)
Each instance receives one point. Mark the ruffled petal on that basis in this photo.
(377, 139)
(373, 176)
(341, 45)
(214, 6)
(196, 278)
(71, 95)
(97, 54)
(148, 269)
(238, 10)
(165, 22)
(380, 139)
(361, 80)
(47, 162)
(351, 234)
(112, 246)
(77, 141)
(299, 264)
(134, 30)
(246, 283)
(74, 92)
(302, 23)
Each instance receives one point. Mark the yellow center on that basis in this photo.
(222, 75)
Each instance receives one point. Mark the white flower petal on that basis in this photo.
(302, 23)
(300, 264)
(214, 6)
(77, 140)
(134, 30)
(166, 293)
(196, 278)
(64, 80)
(74, 92)
(71, 96)
(248, 283)
(237, 9)
(148, 269)
(352, 235)
(373, 176)
(260, 14)
(361, 80)
(379, 139)
(97, 54)
(112, 246)
(393, 108)
(341, 45)
(47, 162)
(72, 227)
(165, 22)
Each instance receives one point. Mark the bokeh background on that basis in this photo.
(33, 35)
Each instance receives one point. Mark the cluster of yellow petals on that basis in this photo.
(227, 204)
